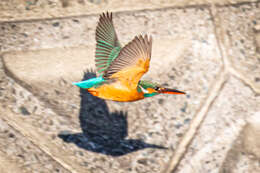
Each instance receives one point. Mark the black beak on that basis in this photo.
(170, 91)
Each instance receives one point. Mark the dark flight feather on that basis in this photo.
(107, 45)
(139, 48)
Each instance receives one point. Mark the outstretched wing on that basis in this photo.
(107, 45)
(132, 62)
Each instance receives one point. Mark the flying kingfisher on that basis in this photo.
(121, 68)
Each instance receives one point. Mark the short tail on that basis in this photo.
(89, 83)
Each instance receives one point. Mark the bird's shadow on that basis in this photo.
(102, 131)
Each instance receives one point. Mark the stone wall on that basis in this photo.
(209, 49)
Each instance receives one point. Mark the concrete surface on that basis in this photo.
(209, 51)
(224, 122)
(42, 9)
(250, 135)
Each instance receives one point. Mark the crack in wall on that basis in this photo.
(205, 106)
(26, 130)
(28, 134)
(224, 42)
(197, 121)
(28, 88)
(202, 5)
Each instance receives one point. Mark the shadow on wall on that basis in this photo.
(102, 131)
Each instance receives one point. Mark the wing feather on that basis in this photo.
(132, 62)
(107, 45)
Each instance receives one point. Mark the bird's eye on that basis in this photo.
(157, 88)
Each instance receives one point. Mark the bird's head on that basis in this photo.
(151, 89)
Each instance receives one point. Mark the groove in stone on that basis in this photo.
(196, 122)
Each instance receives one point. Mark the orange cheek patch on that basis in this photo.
(150, 90)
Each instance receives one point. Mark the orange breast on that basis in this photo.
(116, 92)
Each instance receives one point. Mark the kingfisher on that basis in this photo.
(119, 69)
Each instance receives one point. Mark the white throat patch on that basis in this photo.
(144, 90)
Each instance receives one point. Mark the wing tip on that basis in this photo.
(147, 40)
(140, 46)
(145, 43)
(106, 15)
